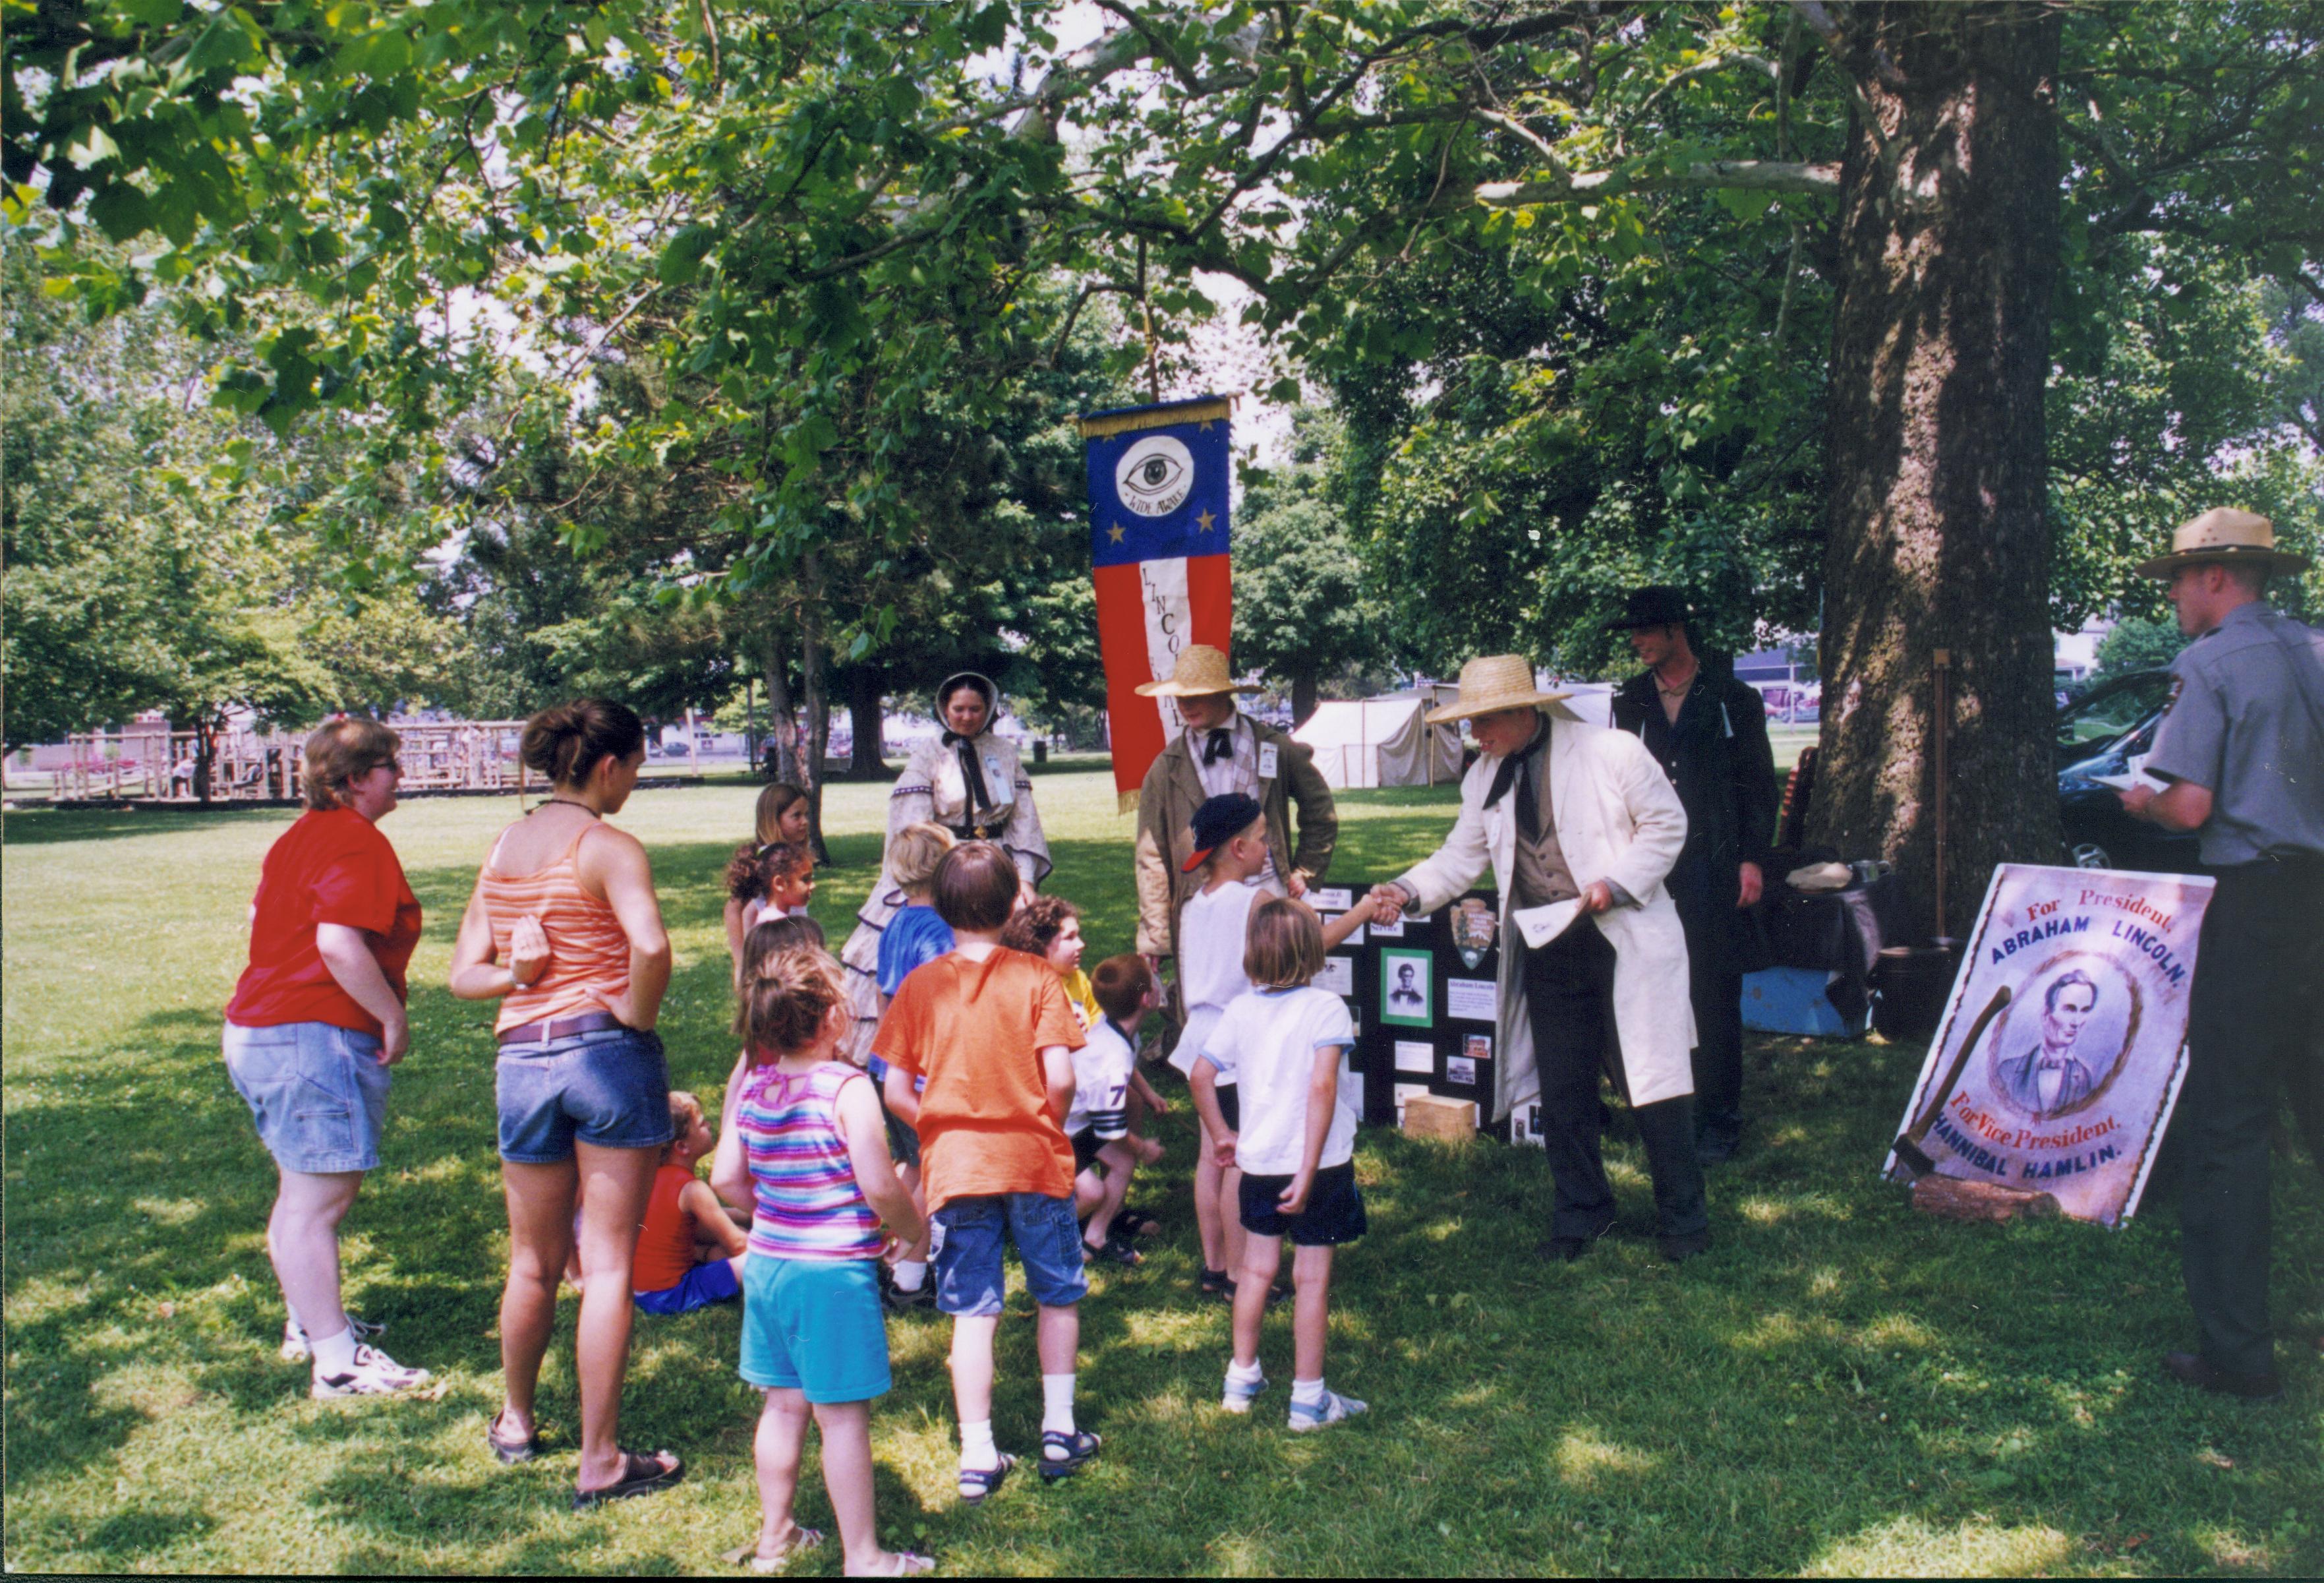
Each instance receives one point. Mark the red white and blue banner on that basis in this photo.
(1157, 490)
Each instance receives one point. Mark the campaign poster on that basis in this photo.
(2063, 1045)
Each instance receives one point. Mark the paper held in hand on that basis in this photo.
(1540, 925)
(2136, 777)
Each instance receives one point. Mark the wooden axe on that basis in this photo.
(1907, 1146)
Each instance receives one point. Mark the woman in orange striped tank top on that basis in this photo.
(583, 1089)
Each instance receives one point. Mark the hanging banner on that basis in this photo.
(1157, 490)
(2064, 1043)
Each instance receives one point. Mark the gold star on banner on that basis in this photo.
(1203, 427)
(1113, 535)
(1206, 518)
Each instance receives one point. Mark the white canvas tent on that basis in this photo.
(1381, 742)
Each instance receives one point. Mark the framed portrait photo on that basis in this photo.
(1406, 989)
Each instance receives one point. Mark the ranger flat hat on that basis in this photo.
(1657, 605)
(1494, 681)
(1201, 671)
(2224, 536)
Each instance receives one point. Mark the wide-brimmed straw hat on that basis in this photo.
(1202, 671)
(2224, 536)
(1494, 681)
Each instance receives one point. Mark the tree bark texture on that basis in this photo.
(815, 695)
(1936, 534)
(866, 718)
(782, 715)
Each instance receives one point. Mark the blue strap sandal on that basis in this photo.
(1074, 1452)
(977, 1482)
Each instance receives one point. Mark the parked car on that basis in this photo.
(2099, 734)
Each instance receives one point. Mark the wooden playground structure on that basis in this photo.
(156, 764)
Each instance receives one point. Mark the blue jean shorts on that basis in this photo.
(966, 1252)
(609, 1088)
(318, 1093)
(815, 1325)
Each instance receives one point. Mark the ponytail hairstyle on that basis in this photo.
(774, 801)
(755, 868)
(785, 999)
(566, 741)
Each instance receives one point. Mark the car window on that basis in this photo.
(2095, 723)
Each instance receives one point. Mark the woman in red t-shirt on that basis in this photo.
(315, 1024)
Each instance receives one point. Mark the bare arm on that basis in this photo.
(901, 1097)
(345, 951)
(730, 1167)
(1154, 1104)
(1337, 929)
(1323, 1095)
(1057, 1073)
(1204, 1082)
(614, 865)
(475, 974)
(711, 1221)
(734, 931)
(2181, 806)
(875, 1172)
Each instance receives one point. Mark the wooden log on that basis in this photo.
(1979, 1200)
(1448, 1121)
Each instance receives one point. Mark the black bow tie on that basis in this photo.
(1218, 745)
(954, 739)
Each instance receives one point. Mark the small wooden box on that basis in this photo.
(1448, 1121)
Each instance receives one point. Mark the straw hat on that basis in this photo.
(2224, 536)
(1202, 671)
(1494, 681)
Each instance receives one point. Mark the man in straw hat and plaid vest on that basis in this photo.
(1564, 811)
(1221, 750)
(2241, 746)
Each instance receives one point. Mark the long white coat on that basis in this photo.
(1618, 819)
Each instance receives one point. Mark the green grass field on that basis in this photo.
(1841, 1386)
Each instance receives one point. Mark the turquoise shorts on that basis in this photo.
(815, 1325)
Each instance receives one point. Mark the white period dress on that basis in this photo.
(932, 787)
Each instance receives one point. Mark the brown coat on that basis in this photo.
(1166, 802)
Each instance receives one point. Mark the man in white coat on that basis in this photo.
(1564, 811)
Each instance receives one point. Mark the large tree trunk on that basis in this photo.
(865, 717)
(782, 725)
(1303, 695)
(1937, 536)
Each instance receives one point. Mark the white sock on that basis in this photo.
(1057, 1404)
(977, 1447)
(334, 1355)
(909, 1274)
(1308, 1393)
(1239, 1376)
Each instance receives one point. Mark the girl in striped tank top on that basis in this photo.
(810, 1146)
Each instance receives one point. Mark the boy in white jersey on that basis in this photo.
(1105, 1071)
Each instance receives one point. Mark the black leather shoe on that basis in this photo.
(1679, 1249)
(1564, 1250)
(1712, 1149)
(2204, 1374)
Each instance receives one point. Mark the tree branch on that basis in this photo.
(1750, 175)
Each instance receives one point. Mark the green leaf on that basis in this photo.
(120, 210)
(681, 258)
(1743, 203)
(150, 12)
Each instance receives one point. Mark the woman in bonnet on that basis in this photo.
(968, 778)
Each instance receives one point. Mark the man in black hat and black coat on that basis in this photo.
(1709, 732)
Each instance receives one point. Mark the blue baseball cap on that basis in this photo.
(1219, 821)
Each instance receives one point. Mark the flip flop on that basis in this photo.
(511, 1452)
(803, 1540)
(903, 1564)
(978, 1482)
(643, 1476)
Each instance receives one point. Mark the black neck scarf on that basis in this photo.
(972, 775)
(1218, 745)
(1515, 770)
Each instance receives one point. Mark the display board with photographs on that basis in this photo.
(1425, 997)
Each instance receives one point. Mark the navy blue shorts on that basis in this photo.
(967, 1238)
(1334, 1212)
(609, 1088)
(699, 1288)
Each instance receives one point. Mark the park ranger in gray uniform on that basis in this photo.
(2242, 747)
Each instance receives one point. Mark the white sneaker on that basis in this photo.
(1335, 1408)
(297, 1349)
(375, 1374)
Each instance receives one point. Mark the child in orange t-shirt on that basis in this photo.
(989, 1030)
(690, 1251)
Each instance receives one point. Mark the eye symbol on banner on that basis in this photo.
(1154, 476)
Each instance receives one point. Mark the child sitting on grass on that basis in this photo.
(775, 880)
(914, 935)
(690, 1250)
(1285, 1042)
(806, 1142)
(1230, 852)
(1098, 1126)
(989, 1030)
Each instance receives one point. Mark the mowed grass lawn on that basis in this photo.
(1841, 1386)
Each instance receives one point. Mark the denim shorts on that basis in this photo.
(609, 1088)
(966, 1252)
(815, 1325)
(318, 1093)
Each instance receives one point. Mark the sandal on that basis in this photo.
(1134, 1222)
(977, 1482)
(1080, 1448)
(640, 1476)
(1116, 1249)
(903, 1564)
(802, 1541)
(511, 1452)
